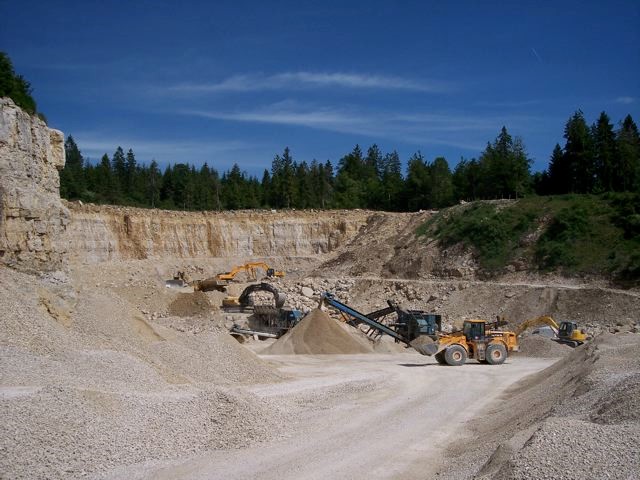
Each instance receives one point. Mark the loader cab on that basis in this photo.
(474, 330)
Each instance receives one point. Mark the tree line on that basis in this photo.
(594, 159)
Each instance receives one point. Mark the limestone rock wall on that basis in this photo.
(32, 216)
(105, 233)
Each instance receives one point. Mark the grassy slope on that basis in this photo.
(572, 234)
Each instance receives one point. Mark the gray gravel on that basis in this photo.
(90, 385)
(577, 419)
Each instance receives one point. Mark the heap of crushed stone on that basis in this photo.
(318, 333)
(542, 347)
(106, 388)
(190, 305)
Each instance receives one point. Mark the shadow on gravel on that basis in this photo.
(419, 365)
(446, 366)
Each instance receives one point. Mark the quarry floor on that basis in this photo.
(384, 416)
(107, 374)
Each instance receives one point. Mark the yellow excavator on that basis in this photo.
(251, 268)
(221, 280)
(566, 333)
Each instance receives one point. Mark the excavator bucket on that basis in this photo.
(175, 283)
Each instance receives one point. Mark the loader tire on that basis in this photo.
(440, 358)
(496, 354)
(455, 355)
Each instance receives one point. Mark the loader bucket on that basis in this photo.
(427, 349)
(425, 345)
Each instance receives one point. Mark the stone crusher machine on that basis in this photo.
(267, 321)
(412, 327)
(478, 339)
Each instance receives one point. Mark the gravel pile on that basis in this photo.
(60, 432)
(190, 305)
(576, 419)
(87, 383)
(318, 333)
(542, 347)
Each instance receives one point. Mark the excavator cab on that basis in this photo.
(570, 334)
(566, 329)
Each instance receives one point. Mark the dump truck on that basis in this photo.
(478, 339)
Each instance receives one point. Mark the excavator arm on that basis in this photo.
(534, 322)
(243, 300)
(250, 268)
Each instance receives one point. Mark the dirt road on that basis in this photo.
(358, 416)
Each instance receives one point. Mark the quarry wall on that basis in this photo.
(32, 217)
(104, 233)
(39, 231)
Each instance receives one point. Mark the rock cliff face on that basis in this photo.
(32, 217)
(102, 233)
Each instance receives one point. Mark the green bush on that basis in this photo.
(581, 234)
(494, 233)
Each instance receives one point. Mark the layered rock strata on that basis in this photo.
(103, 233)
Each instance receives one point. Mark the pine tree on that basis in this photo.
(72, 180)
(265, 186)
(350, 189)
(628, 164)
(560, 179)
(288, 178)
(418, 183)
(130, 175)
(119, 170)
(578, 151)
(504, 167)
(466, 179)
(326, 184)
(372, 177)
(154, 184)
(107, 189)
(392, 181)
(441, 183)
(604, 153)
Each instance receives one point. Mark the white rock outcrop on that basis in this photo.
(32, 217)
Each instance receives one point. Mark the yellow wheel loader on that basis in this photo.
(478, 339)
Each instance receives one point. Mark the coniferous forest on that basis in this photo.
(595, 158)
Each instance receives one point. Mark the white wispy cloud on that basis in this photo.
(423, 128)
(94, 144)
(626, 100)
(308, 80)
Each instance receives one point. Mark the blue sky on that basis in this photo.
(227, 82)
